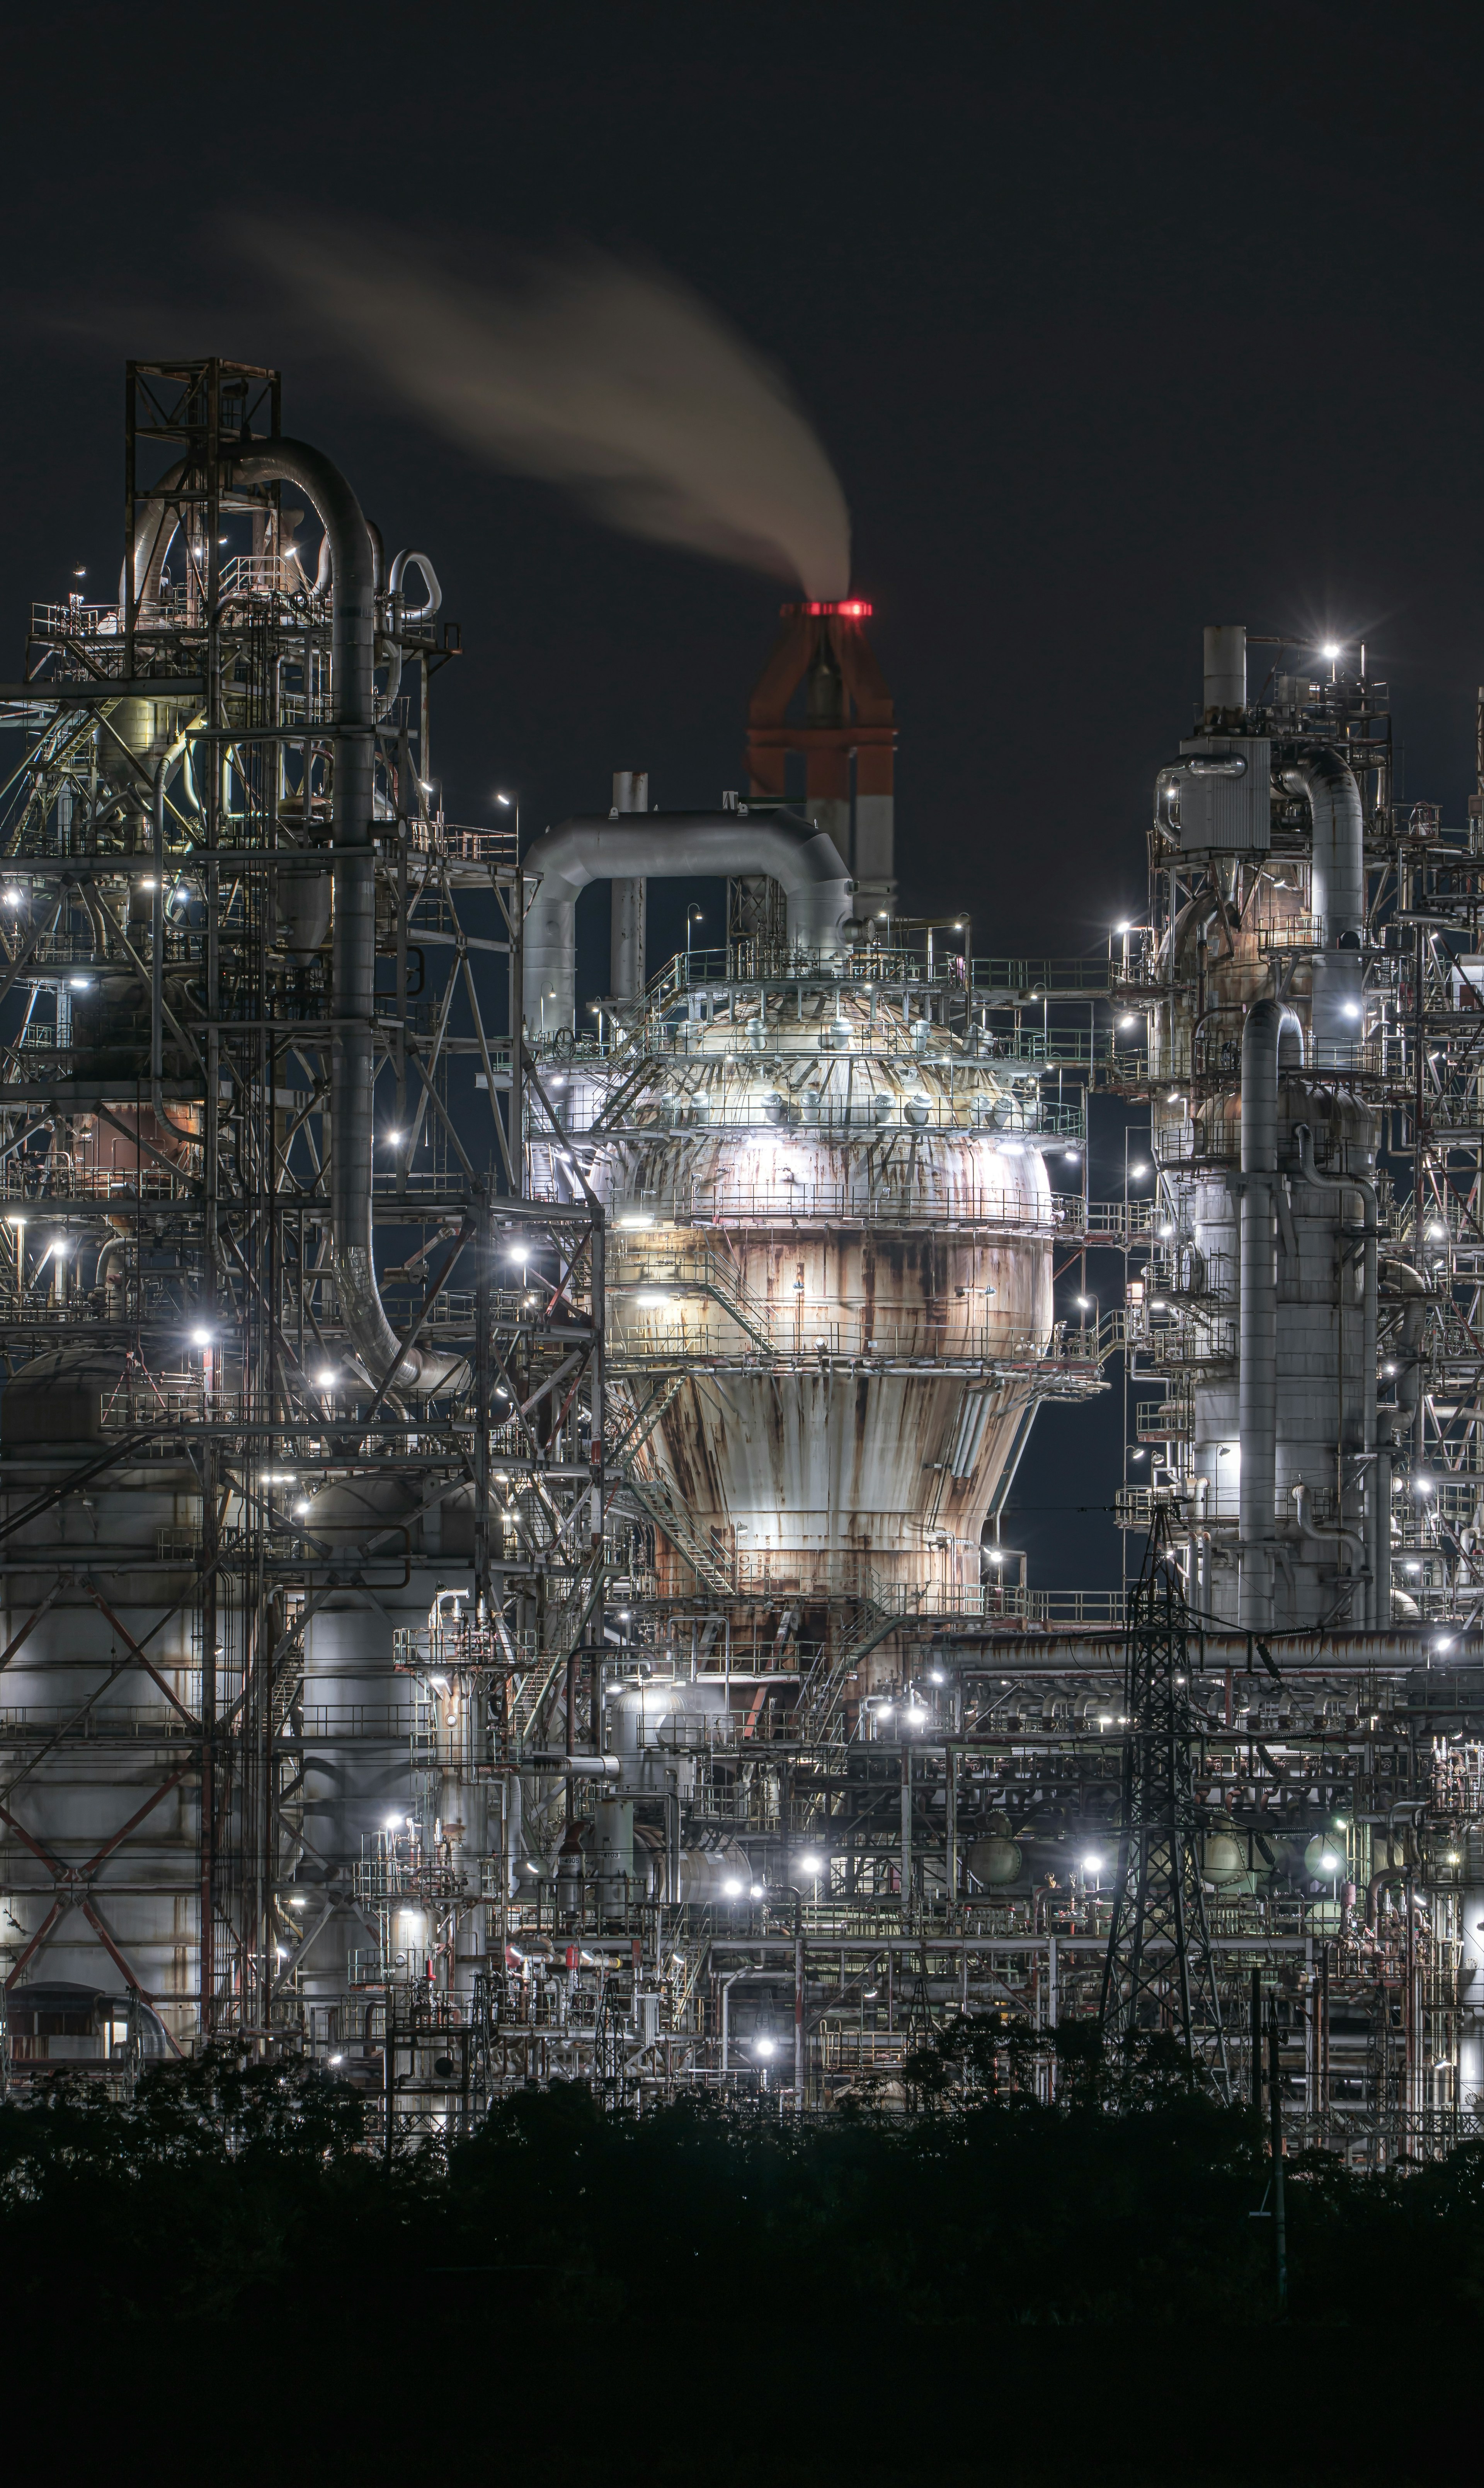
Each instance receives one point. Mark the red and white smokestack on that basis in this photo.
(848, 719)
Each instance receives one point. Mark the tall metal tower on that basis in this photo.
(1159, 1974)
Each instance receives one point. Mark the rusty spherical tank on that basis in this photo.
(830, 1244)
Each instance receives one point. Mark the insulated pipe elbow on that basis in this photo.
(352, 1062)
(1322, 1536)
(1338, 892)
(434, 597)
(112, 1264)
(1272, 1041)
(660, 846)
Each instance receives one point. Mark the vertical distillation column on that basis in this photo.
(1196, 1040)
(1284, 1446)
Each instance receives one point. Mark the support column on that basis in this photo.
(627, 921)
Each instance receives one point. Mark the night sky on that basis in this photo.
(1112, 321)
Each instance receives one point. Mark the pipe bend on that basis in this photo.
(1320, 1537)
(1338, 890)
(1378, 1885)
(432, 601)
(1271, 1043)
(1361, 1183)
(352, 1063)
(660, 846)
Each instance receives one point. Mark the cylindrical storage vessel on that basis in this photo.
(838, 1242)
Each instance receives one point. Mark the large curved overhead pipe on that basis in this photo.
(1271, 1042)
(352, 1058)
(1338, 893)
(660, 846)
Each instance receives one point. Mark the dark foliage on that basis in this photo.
(1033, 2253)
(227, 2186)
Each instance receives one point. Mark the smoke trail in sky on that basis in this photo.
(613, 380)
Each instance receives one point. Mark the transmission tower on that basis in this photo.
(1159, 1974)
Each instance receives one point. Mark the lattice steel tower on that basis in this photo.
(1159, 1974)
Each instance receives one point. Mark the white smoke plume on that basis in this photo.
(613, 380)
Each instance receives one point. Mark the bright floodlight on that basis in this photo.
(301, 1508)
(1084, 1304)
(392, 1138)
(756, 1891)
(1331, 649)
(1092, 1865)
(325, 1382)
(13, 897)
(811, 1864)
(1123, 928)
(1137, 1171)
(762, 2046)
(200, 1339)
(732, 1888)
(1330, 1865)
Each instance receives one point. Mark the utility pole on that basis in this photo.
(1160, 1973)
(1276, 2141)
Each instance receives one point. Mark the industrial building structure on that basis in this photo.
(502, 1502)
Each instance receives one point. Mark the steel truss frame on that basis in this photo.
(163, 1110)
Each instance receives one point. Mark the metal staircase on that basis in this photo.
(642, 1424)
(694, 1271)
(822, 1698)
(563, 1629)
(706, 1561)
(616, 1105)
